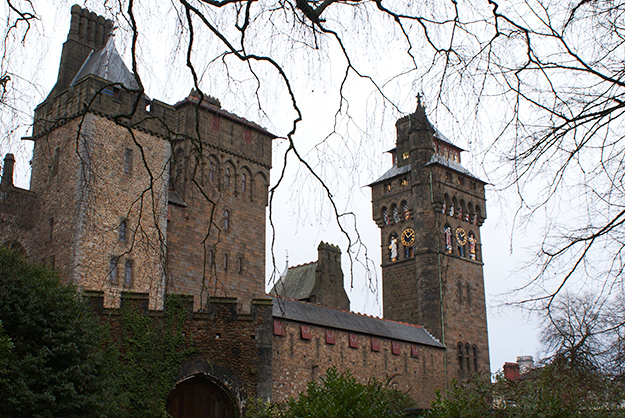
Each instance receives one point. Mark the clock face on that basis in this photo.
(461, 236)
(408, 237)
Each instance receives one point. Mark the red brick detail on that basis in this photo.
(330, 336)
(375, 344)
(278, 328)
(306, 332)
(414, 351)
(395, 348)
(353, 340)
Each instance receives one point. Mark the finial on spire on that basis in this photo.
(286, 267)
(419, 103)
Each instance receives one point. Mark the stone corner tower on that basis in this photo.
(429, 209)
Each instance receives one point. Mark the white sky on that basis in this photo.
(347, 161)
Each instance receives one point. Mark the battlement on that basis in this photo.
(95, 300)
(324, 246)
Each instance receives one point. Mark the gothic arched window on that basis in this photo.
(396, 217)
(460, 357)
(211, 171)
(122, 231)
(226, 221)
(404, 208)
(468, 352)
(227, 176)
(475, 362)
(243, 182)
(385, 218)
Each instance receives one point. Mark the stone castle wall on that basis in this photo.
(297, 360)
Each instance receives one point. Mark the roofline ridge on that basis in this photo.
(304, 264)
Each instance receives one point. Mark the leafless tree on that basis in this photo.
(544, 78)
(585, 333)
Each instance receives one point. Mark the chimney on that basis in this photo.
(7, 170)
(511, 371)
(526, 363)
(87, 32)
(329, 290)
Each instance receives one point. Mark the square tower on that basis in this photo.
(429, 209)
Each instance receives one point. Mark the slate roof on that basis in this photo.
(352, 322)
(297, 283)
(439, 159)
(394, 171)
(107, 64)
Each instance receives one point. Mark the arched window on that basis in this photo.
(468, 352)
(240, 265)
(460, 357)
(462, 212)
(128, 273)
(454, 206)
(475, 361)
(227, 176)
(477, 216)
(122, 231)
(446, 204)
(210, 257)
(385, 217)
(226, 221)
(243, 182)
(211, 171)
(393, 246)
(396, 217)
(470, 212)
(404, 207)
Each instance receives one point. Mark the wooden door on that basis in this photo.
(199, 398)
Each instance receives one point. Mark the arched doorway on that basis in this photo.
(199, 397)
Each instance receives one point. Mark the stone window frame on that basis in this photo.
(128, 163)
(113, 270)
(128, 272)
(240, 264)
(54, 167)
(227, 220)
(475, 358)
(122, 230)
(460, 356)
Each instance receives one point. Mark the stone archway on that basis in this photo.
(199, 397)
(206, 390)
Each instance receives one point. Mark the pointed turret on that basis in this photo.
(88, 32)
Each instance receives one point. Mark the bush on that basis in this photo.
(53, 363)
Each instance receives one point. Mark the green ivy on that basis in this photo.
(151, 352)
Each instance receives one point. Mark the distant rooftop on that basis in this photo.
(297, 283)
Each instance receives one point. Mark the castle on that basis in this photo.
(134, 199)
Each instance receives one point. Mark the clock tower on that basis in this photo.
(429, 209)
